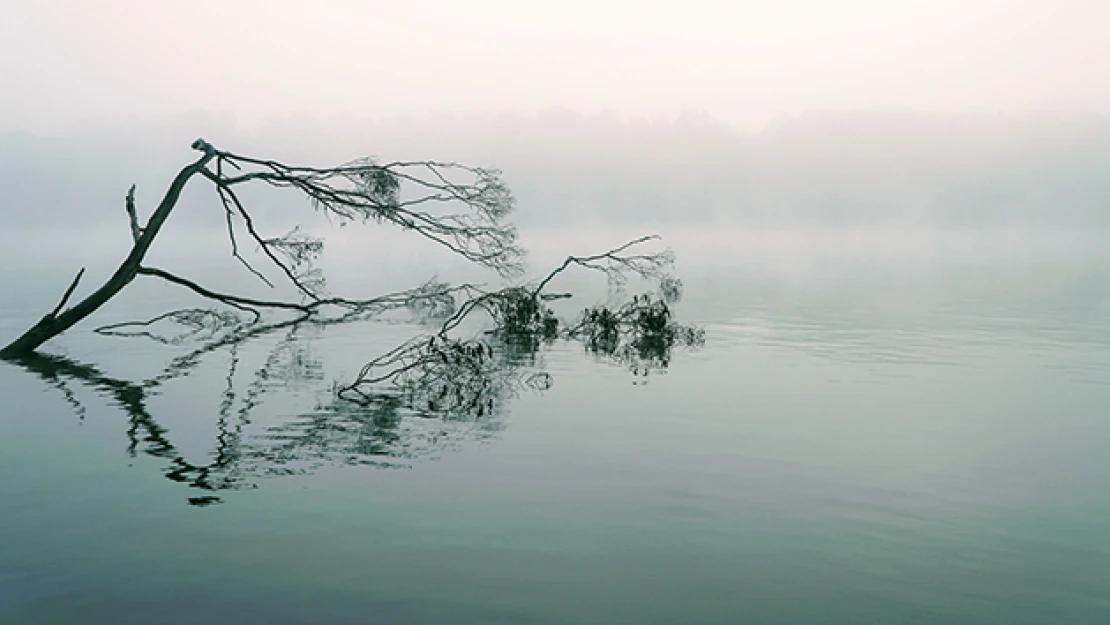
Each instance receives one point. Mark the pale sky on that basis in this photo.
(746, 63)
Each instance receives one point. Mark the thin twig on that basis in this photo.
(68, 293)
(229, 214)
(639, 264)
(224, 188)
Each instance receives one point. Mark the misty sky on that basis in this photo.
(66, 62)
(977, 113)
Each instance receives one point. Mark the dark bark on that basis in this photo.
(56, 322)
(361, 190)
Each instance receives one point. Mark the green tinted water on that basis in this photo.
(856, 448)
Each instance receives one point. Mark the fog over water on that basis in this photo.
(814, 198)
(863, 170)
(892, 227)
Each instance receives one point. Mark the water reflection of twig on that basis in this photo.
(428, 394)
(336, 432)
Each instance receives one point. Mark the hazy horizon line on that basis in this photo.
(243, 123)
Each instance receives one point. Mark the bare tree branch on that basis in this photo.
(52, 325)
(616, 265)
(242, 303)
(441, 372)
(264, 244)
(229, 218)
(68, 293)
(362, 190)
(449, 374)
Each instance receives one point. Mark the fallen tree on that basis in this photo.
(453, 399)
(461, 208)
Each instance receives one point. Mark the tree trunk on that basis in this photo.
(54, 323)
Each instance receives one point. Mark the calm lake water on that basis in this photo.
(862, 440)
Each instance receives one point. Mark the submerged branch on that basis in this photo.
(442, 373)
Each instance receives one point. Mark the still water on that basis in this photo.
(855, 443)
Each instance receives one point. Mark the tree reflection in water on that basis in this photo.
(427, 395)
